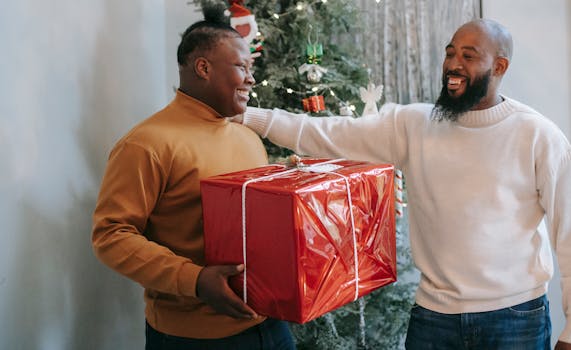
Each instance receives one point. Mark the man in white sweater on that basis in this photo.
(482, 171)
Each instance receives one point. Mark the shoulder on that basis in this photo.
(150, 137)
(533, 121)
(144, 133)
(551, 147)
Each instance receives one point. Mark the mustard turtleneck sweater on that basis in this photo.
(147, 224)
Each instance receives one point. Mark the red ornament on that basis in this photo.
(313, 104)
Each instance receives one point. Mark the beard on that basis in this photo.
(451, 108)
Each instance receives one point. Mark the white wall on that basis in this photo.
(540, 75)
(540, 72)
(180, 14)
(74, 76)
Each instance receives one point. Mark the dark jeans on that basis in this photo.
(526, 326)
(268, 335)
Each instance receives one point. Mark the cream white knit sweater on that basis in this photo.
(477, 188)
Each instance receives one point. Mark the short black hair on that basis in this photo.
(204, 35)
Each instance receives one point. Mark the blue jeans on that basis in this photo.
(269, 335)
(526, 326)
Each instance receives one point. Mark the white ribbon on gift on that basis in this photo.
(323, 167)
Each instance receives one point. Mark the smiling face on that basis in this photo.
(215, 68)
(229, 77)
(472, 70)
(469, 55)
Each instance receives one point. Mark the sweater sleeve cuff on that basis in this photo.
(187, 278)
(258, 120)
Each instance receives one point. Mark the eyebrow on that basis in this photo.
(470, 48)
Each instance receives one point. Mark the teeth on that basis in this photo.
(454, 81)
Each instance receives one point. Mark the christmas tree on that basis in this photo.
(307, 61)
(304, 57)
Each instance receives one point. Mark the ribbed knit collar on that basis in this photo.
(196, 109)
(489, 116)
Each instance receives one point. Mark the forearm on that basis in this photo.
(370, 138)
(151, 265)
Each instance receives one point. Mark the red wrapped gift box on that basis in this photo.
(298, 238)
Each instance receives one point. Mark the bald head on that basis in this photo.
(496, 33)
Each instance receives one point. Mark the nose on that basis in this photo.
(454, 64)
(250, 77)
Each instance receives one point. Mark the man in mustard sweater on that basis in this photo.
(148, 218)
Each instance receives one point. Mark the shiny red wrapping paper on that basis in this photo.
(300, 261)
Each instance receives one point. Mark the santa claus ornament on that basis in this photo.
(244, 22)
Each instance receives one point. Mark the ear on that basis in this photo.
(501, 65)
(202, 68)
